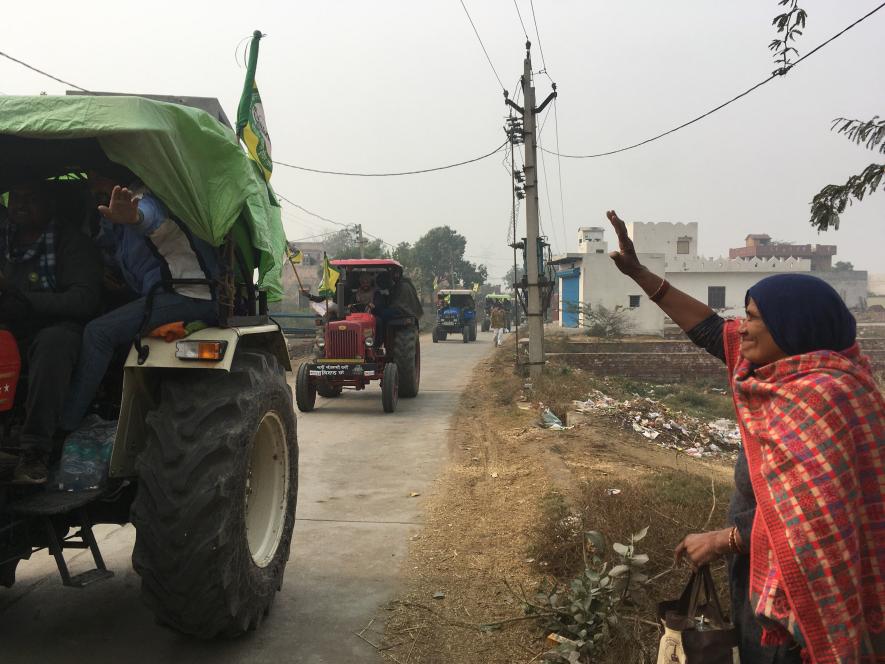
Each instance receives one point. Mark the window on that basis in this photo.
(634, 301)
(682, 245)
(716, 297)
(600, 251)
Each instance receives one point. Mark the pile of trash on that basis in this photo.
(670, 429)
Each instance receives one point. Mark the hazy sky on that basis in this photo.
(389, 86)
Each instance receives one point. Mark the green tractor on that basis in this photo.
(204, 461)
(499, 299)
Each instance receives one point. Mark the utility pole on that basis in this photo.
(360, 241)
(533, 269)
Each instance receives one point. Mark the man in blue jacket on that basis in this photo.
(150, 248)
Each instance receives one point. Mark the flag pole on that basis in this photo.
(292, 263)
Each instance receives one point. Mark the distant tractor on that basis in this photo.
(365, 340)
(501, 300)
(456, 314)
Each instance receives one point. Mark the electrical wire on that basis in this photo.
(559, 177)
(519, 14)
(774, 75)
(476, 32)
(381, 175)
(538, 33)
(546, 187)
(41, 72)
(331, 221)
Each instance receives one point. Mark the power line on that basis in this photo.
(476, 32)
(519, 14)
(559, 176)
(331, 221)
(538, 33)
(546, 185)
(381, 175)
(774, 75)
(41, 72)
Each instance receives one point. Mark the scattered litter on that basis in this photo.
(439, 594)
(550, 421)
(494, 474)
(555, 639)
(530, 560)
(523, 405)
(612, 492)
(668, 428)
(414, 494)
(651, 434)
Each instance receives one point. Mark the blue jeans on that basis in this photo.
(117, 328)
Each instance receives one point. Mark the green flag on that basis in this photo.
(251, 126)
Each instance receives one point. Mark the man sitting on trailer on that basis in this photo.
(151, 249)
(50, 285)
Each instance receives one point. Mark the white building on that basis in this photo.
(671, 250)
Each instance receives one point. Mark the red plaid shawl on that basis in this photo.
(813, 426)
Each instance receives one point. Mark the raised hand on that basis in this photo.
(123, 207)
(625, 258)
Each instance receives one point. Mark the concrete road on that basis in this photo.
(355, 517)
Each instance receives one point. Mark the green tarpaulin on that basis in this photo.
(186, 157)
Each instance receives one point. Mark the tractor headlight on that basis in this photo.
(369, 341)
(321, 343)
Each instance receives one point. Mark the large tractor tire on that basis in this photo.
(390, 387)
(486, 325)
(473, 331)
(217, 483)
(465, 333)
(407, 356)
(328, 391)
(305, 392)
(434, 335)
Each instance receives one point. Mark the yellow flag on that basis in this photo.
(330, 279)
(475, 287)
(295, 256)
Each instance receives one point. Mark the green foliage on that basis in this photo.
(345, 244)
(843, 266)
(832, 200)
(603, 322)
(586, 612)
(790, 25)
(440, 250)
(870, 133)
(513, 277)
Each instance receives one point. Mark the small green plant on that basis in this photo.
(586, 612)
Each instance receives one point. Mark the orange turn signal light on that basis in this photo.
(207, 351)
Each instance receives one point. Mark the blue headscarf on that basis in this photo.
(803, 313)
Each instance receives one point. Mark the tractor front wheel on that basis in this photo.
(305, 393)
(465, 333)
(486, 325)
(215, 508)
(407, 356)
(390, 387)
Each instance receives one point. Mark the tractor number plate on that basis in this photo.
(342, 370)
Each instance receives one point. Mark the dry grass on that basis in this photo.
(512, 498)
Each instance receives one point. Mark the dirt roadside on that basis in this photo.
(488, 538)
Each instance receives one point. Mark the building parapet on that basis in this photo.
(701, 264)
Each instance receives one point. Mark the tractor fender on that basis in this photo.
(141, 381)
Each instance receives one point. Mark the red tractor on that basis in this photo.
(370, 334)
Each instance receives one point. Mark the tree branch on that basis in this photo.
(832, 200)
